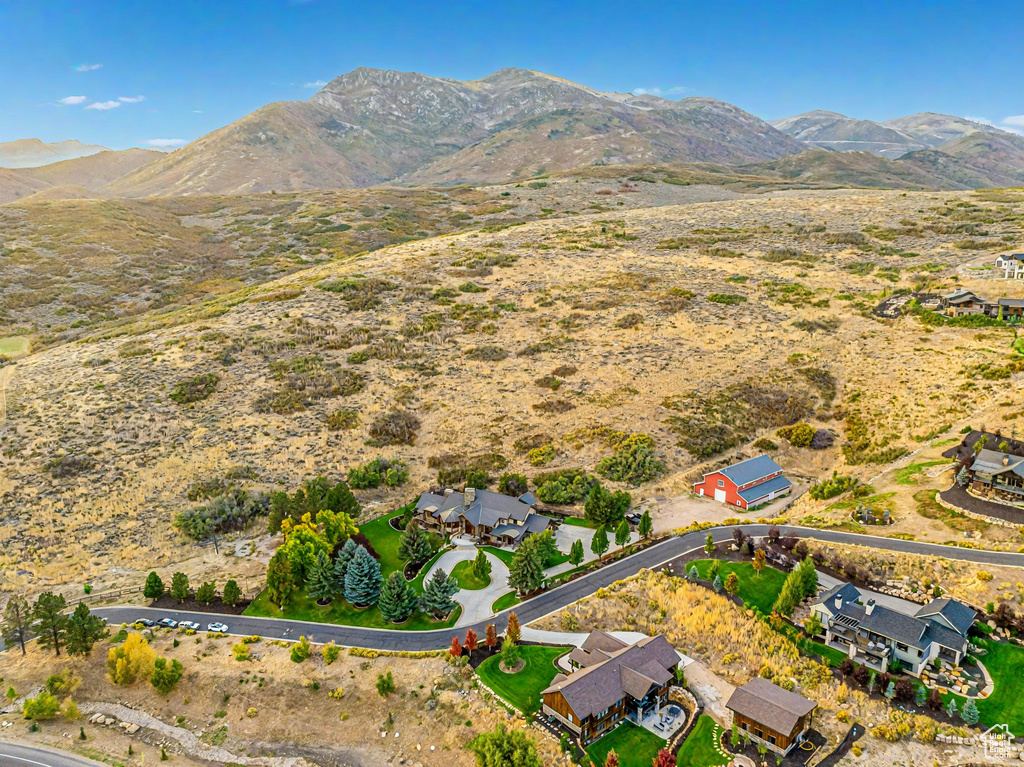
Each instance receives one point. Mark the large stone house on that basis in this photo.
(877, 636)
(611, 682)
(771, 715)
(998, 476)
(482, 515)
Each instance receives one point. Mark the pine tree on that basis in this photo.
(231, 593)
(397, 599)
(716, 584)
(513, 631)
(890, 691)
(438, 592)
(179, 586)
(962, 478)
(206, 592)
(709, 545)
(576, 552)
(951, 708)
(16, 622)
(600, 543)
(281, 581)
(692, 573)
(154, 588)
(363, 579)
(84, 630)
(921, 695)
(50, 621)
(341, 564)
(414, 546)
(646, 525)
(622, 534)
(321, 585)
(969, 713)
(510, 654)
(482, 565)
(525, 573)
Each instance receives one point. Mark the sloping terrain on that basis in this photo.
(704, 326)
(31, 152)
(821, 167)
(999, 156)
(831, 130)
(934, 130)
(371, 126)
(72, 179)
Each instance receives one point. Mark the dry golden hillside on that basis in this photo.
(705, 326)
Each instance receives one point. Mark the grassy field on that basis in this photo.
(909, 475)
(522, 689)
(635, 746)
(578, 522)
(698, 750)
(385, 540)
(1005, 662)
(467, 578)
(14, 346)
(506, 556)
(505, 601)
(759, 591)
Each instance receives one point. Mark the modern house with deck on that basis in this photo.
(611, 682)
(745, 484)
(484, 516)
(877, 636)
(997, 476)
(771, 715)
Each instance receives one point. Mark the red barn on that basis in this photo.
(745, 484)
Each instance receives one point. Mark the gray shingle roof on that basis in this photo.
(991, 462)
(889, 623)
(847, 591)
(760, 491)
(486, 509)
(768, 704)
(958, 614)
(750, 470)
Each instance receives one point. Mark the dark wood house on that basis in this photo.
(612, 682)
(771, 715)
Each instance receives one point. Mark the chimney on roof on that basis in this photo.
(1006, 460)
(839, 601)
(869, 607)
(469, 496)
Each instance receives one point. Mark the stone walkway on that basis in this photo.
(476, 605)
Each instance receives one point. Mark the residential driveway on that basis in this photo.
(905, 606)
(476, 605)
(683, 510)
(566, 535)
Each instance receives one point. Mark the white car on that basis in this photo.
(218, 627)
(188, 625)
(167, 623)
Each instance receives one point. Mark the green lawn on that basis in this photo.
(417, 582)
(578, 522)
(522, 690)
(467, 578)
(505, 601)
(698, 750)
(635, 746)
(303, 608)
(908, 475)
(14, 345)
(385, 541)
(1005, 662)
(506, 556)
(758, 591)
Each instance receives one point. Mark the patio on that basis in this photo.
(665, 722)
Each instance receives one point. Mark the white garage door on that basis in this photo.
(720, 496)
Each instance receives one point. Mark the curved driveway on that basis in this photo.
(550, 601)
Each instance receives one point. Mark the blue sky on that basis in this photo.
(130, 73)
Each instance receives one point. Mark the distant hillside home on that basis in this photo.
(771, 715)
(961, 302)
(1009, 307)
(875, 636)
(996, 475)
(485, 516)
(1012, 265)
(612, 682)
(745, 484)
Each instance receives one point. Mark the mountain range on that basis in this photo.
(375, 127)
(31, 152)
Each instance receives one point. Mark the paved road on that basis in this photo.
(12, 755)
(549, 602)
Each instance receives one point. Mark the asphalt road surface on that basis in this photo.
(12, 755)
(546, 603)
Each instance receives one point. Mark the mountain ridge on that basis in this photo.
(33, 152)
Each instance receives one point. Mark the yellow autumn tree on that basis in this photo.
(130, 661)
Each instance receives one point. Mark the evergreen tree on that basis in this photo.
(600, 543)
(716, 584)
(50, 621)
(732, 583)
(321, 585)
(16, 622)
(510, 654)
(166, 675)
(501, 748)
(709, 545)
(963, 478)
(921, 695)
(969, 713)
(646, 525)
(84, 630)
(622, 534)
(231, 593)
(414, 546)
(179, 586)
(525, 573)
(281, 580)
(604, 507)
(206, 592)
(438, 592)
(154, 588)
(363, 579)
(951, 708)
(397, 598)
(341, 563)
(890, 691)
(576, 552)
(544, 546)
(692, 574)
(481, 565)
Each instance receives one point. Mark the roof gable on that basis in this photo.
(770, 705)
(750, 470)
(956, 615)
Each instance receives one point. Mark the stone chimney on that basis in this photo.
(1006, 460)
(869, 607)
(469, 496)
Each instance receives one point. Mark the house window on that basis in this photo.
(901, 647)
(721, 483)
(758, 732)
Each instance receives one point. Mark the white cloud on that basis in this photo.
(87, 67)
(131, 99)
(675, 90)
(316, 84)
(1016, 120)
(197, 111)
(166, 143)
(73, 100)
(104, 105)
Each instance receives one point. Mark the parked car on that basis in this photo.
(188, 625)
(167, 623)
(218, 627)
(143, 622)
